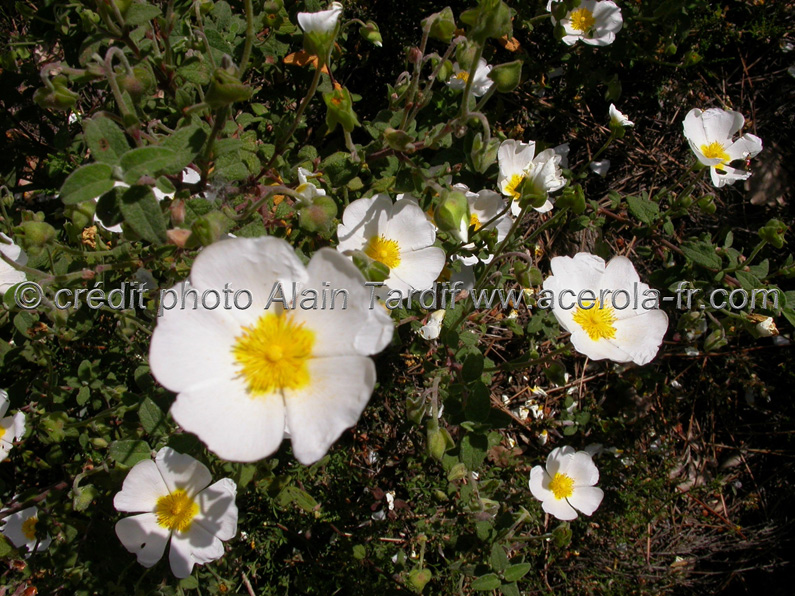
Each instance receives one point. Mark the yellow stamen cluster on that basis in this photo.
(384, 251)
(175, 511)
(716, 151)
(582, 19)
(597, 321)
(462, 75)
(474, 222)
(29, 527)
(273, 354)
(562, 486)
(513, 183)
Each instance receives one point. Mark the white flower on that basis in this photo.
(567, 484)
(480, 84)
(173, 498)
(484, 206)
(246, 374)
(433, 327)
(765, 328)
(618, 316)
(600, 167)
(8, 275)
(617, 118)
(398, 235)
(592, 22)
(518, 161)
(306, 189)
(11, 427)
(710, 135)
(322, 22)
(20, 529)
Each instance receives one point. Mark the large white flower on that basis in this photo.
(173, 498)
(518, 161)
(615, 317)
(8, 275)
(398, 235)
(484, 206)
(322, 22)
(710, 136)
(593, 22)
(246, 373)
(20, 529)
(480, 84)
(11, 427)
(567, 484)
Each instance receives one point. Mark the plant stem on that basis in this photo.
(249, 39)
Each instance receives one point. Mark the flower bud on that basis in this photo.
(340, 110)
(773, 232)
(60, 97)
(34, 235)
(318, 216)
(225, 89)
(492, 18)
(371, 33)
(320, 30)
(452, 215)
(398, 140)
(442, 25)
(418, 578)
(138, 83)
(445, 71)
(210, 227)
(483, 156)
(465, 54)
(80, 214)
(122, 5)
(507, 76)
(766, 327)
(437, 444)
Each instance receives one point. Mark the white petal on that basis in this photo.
(746, 146)
(3, 402)
(560, 509)
(721, 125)
(218, 511)
(409, 227)
(196, 546)
(363, 219)
(515, 156)
(586, 499)
(600, 167)
(539, 484)
(641, 336)
(318, 414)
(190, 176)
(142, 487)
(582, 470)
(233, 425)
(558, 460)
(727, 175)
(420, 268)
(181, 471)
(19, 425)
(144, 537)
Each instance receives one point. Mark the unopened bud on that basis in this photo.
(340, 110)
(34, 235)
(60, 97)
(371, 33)
(225, 89)
(452, 215)
(210, 227)
(319, 216)
(507, 76)
(442, 25)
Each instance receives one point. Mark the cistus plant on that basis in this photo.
(328, 298)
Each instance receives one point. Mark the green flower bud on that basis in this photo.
(437, 443)
(492, 18)
(465, 54)
(418, 578)
(483, 156)
(210, 227)
(445, 71)
(559, 10)
(340, 110)
(507, 76)
(707, 204)
(371, 269)
(60, 97)
(773, 232)
(442, 25)
(319, 216)
(398, 140)
(452, 215)
(122, 5)
(371, 33)
(225, 89)
(138, 83)
(205, 6)
(34, 235)
(81, 214)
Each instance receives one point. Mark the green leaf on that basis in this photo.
(748, 282)
(147, 161)
(142, 213)
(487, 582)
(152, 417)
(186, 143)
(189, 583)
(86, 183)
(140, 14)
(498, 559)
(510, 590)
(105, 139)
(196, 71)
(84, 496)
(702, 253)
(478, 402)
(129, 452)
(473, 450)
(5, 546)
(301, 498)
(645, 210)
(108, 210)
(83, 396)
(516, 572)
(339, 168)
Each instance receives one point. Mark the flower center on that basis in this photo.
(597, 321)
(29, 527)
(273, 354)
(562, 486)
(582, 20)
(513, 183)
(474, 222)
(716, 151)
(462, 75)
(176, 511)
(2, 432)
(384, 251)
